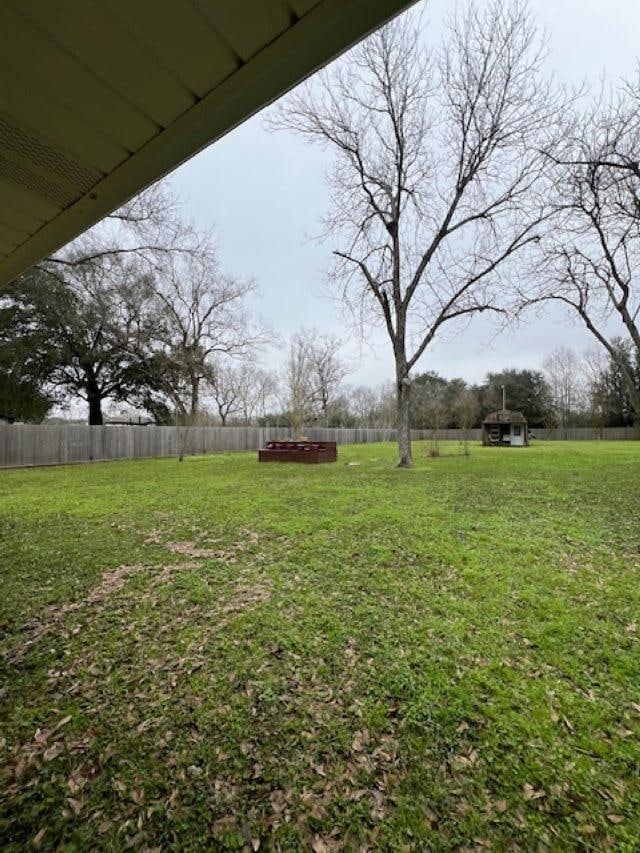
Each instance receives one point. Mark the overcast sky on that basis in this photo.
(264, 194)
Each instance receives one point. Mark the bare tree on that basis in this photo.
(363, 405)
(225, 390)
(592, 251)
(202, 316)
(437, 157)
(465, 411)
(241, 391)
(265, 392)
(257, 388)
(313, 377)
(435, 414)
(300, 388)
(562, 370)
(328, 370)
(147, 228)
(594, 370)
(387, 406)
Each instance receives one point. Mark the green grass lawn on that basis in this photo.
(226, 655)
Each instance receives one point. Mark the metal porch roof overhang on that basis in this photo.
(100, 98)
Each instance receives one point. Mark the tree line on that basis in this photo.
(569, 390)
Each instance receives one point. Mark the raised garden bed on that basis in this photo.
(310, 452)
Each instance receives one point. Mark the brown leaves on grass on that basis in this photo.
(45, 746)
(39, 837)
(360, 740)
(245, 595)
(151, 671)
(329, 778)
(297, 777)
(111, 582)
(531, 793)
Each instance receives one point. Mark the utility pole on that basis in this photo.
(504, 399)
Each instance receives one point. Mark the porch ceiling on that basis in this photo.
(100, 98)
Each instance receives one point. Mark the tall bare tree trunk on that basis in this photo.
(403, 394)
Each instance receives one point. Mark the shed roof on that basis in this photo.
(100, 99)
(505, 416)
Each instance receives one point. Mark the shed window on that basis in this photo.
(516, 429)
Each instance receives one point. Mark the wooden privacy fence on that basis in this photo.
(59, 444)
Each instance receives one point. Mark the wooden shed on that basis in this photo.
(505, 429)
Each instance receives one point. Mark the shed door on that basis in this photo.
(517, 434)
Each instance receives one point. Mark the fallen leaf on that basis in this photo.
(37, 839)
(76, 805)
(531, 793)
(52, 752)
(62, 722)
(360, 740)
(615, 818)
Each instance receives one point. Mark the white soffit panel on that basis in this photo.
(99, 98)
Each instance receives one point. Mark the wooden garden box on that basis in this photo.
(309, 452)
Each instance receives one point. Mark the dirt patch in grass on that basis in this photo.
(194, 548)
(190, 549)
(111, 582)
